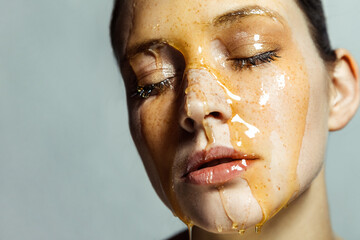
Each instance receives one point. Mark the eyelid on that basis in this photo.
(166, 71)
(153, 76)
(244, 54)
(146, 91)
(148, 68)
(254, 61)
(246, 50)
(157, 63)
(142, 63)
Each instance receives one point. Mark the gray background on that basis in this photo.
(68, 169)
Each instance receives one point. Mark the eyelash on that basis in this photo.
(240, 63)
(146, 91)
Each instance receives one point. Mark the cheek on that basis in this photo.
(314, 142)
(270, 120)
(159, 130)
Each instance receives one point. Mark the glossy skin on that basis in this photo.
(276, 111)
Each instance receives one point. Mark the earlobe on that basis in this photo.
(344, 95)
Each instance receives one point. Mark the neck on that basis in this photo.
(307, 217)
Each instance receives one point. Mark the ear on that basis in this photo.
(344, 95)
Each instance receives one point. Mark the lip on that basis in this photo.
(216, 166)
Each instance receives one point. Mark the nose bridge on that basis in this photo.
(204, 97)
(195, 58)
(196, 50)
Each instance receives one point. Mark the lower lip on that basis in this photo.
(218, 174)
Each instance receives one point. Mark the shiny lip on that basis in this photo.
(196, 160)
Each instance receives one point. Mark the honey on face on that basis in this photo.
(267, 96)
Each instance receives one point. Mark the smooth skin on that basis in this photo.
(307, 216)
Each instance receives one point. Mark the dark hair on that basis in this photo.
(113, 23)
(313, 10)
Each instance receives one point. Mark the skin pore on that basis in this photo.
(238, 84)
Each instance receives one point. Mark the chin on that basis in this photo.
(226, 209)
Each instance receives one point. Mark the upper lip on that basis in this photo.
(216, 153)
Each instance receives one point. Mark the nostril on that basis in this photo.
(216, 115)
(189, 124)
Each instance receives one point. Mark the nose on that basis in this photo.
(204, 98)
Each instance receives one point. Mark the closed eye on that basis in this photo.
(241, 63)
(153, 89)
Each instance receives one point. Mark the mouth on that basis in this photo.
(216, 166)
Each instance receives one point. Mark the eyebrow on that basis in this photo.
(245, 12)
(220, 20)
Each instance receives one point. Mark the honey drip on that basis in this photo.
(258, 228)
(242, 229)
(235, 226)
(157, 58)
(262, 189)
(221, 190)
(190, 227)
(209, 133)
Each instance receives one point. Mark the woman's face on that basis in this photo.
(228, 105)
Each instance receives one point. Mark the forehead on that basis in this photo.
(163, 18)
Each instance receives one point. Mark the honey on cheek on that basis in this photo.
(281, 123)
(269, 118)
